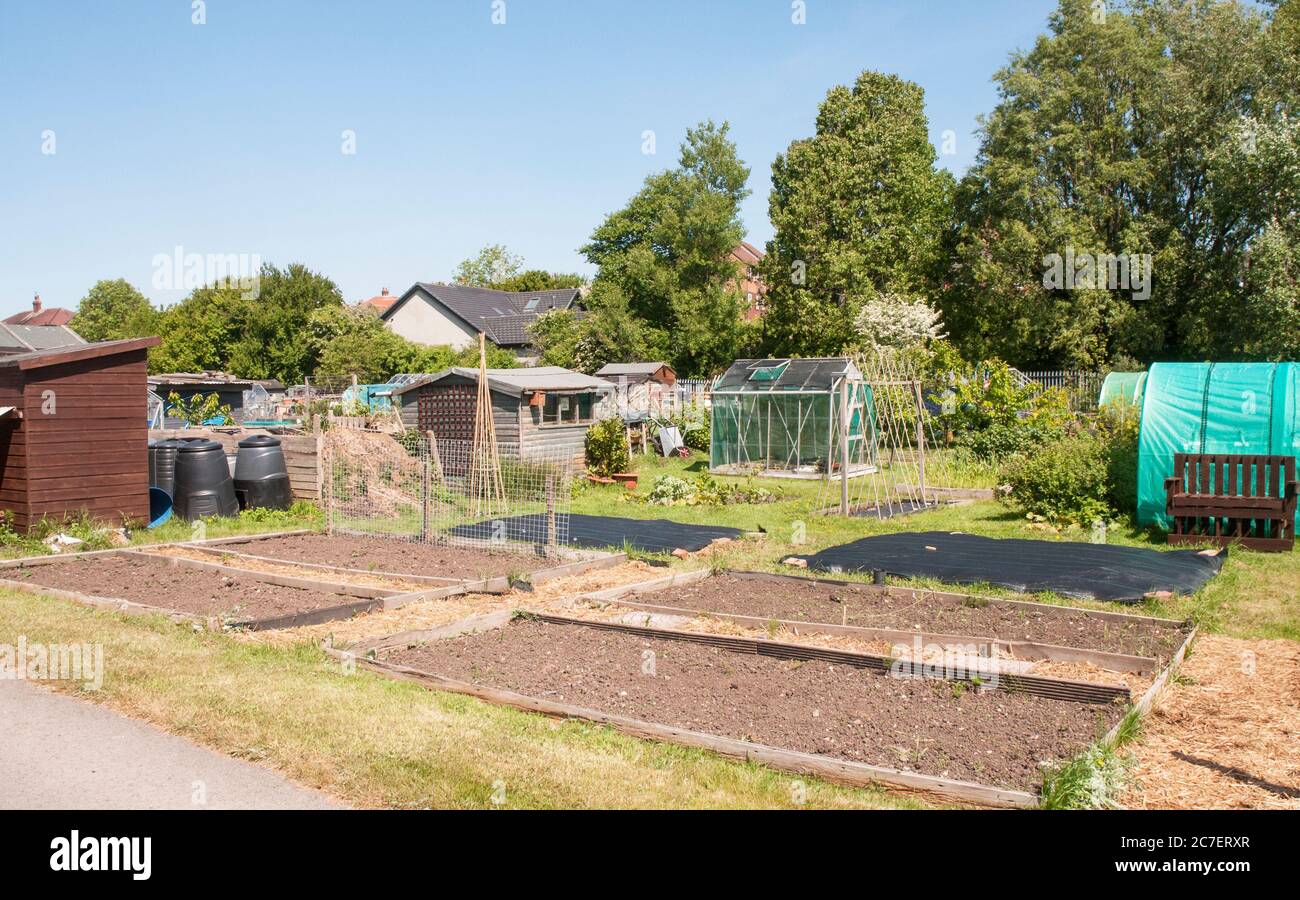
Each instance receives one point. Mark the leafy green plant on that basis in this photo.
(199, 409)
(1065, 482)
(669, 490)
(607, 448)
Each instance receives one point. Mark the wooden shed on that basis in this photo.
(540, 413)
(74, 432)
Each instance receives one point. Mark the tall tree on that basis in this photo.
(493, 264)
(1132, 128)
(665, 257)
(857, 209)
(114, 310)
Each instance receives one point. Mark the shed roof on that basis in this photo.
(54, 356)
(641, 368)
(521, 381)
(212, 380)
(812, 374)
(20, 338)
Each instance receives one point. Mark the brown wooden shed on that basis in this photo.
(74, 432)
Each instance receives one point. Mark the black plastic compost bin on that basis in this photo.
(203, 486)
(261, 478)
(162, 464)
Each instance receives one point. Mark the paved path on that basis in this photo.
(59, 752)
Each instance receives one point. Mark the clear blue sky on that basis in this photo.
(226, 137)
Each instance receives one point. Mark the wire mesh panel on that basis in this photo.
(433, 491)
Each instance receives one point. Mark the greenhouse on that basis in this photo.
(1242, 408)
(782, 417)
(1123, 387)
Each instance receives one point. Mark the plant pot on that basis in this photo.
(627, 479)
(600, 479)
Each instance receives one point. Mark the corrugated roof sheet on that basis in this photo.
(520, 381)
(645, 368)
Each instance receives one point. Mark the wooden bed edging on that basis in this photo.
(828, 768)
(492, 621)
(111, 604)
(1011, 682)
(1149, 697)
(1025, 650)
(310, 617)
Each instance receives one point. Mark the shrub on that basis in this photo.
(1065, 482)
(999, 441)
(607, 448)
(669, 490)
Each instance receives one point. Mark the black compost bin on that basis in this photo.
(261, 478)
(162, 463)
(203, 486)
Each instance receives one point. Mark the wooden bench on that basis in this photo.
(1223, 498)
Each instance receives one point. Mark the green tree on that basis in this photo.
(257, 333)
(664, 262)
(539, 280)
(1136, 131)
(115, 310)
(858, 209)
(493, 265)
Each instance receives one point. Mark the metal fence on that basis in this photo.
(444, 492)
(1082, 387)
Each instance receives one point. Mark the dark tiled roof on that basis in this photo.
(503, 316)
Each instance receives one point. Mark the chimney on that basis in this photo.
(36, 303)
(383, 292)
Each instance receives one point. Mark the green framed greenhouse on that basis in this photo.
(784, 417)
(1244, 408)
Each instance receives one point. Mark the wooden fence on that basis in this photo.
(301, 453)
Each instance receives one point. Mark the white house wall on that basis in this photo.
(426, 322)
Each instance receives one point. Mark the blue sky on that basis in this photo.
(227, 137)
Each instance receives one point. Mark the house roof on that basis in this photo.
(21, 338)
(747, 253)
(380, 303)
(502, 316)
(49, 315)
(813, 374)
(521, 381)
(53, 356)
(643, 368)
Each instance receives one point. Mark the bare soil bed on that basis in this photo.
(805, 601)
(176, 587)
(932, 727)
(394, 556)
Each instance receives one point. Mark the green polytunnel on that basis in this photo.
(783, 417)
(1247, 408)
(1123, 387)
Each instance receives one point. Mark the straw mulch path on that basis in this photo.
(1222, 737)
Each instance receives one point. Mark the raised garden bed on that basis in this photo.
(942, 729)
(229, 597)
(476, 568)
(792, 599)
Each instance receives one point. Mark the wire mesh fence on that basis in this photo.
(444, 491)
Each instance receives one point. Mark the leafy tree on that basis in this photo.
(665, 264)
(493, 265)
(858, 209)
(114, 310)
(255, 334)
(1136, 131)
(539, 280)
(199, 409)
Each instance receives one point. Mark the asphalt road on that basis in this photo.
(59, 752)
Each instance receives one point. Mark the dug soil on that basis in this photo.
(177, 588)
(932, 727)
(395, 556)
(807, 601)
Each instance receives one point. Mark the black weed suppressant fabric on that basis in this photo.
(598, 532)
(1070, 568)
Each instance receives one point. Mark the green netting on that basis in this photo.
(1212, 408)
(788, 430)
(1123, 387)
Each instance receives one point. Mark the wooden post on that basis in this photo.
(324, 473)
(550, 511)
(844, 447)
(920, 440)
(426, 499)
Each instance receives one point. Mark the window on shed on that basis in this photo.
(567, 409)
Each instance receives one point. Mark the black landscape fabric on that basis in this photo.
(646, 535)
(1074, 569)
